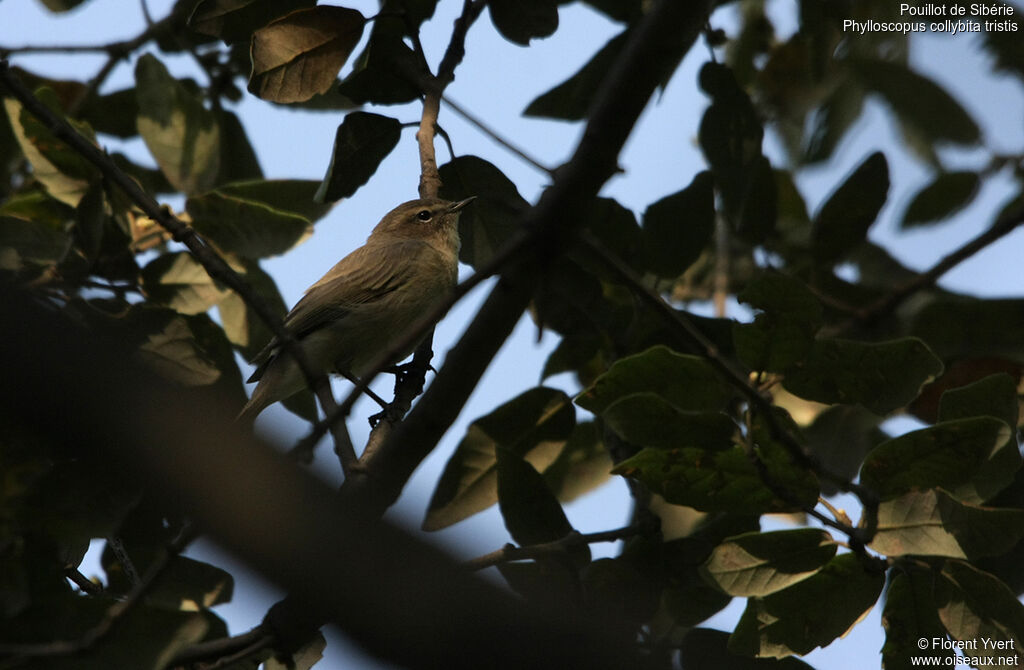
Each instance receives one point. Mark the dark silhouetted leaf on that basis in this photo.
(300, 54)
(881, 376)
(677, 228)
(182, 135)
(918, 101)
(381, 74)
(787, 318)
(706, 649)
(24, 242)
(236, 20)
(843, 221)
(648, 420)
(294, 196)
(582, 466)
(571, 99)
(840, 437)
(521, 20)
(494, 217)
(946, 455)
(114, 113)
(362, 141)
(238, 160)
(831, 121)
(531, 512)
(756, 564)
(946, 195)
(534, 425)
(910, 616)
(809, 614)
(959, 327)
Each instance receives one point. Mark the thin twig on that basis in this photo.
(476, 122)
(1006, 224)
(257, 639)
(510, 552)
(214, 265)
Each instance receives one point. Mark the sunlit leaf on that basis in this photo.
(236, 20)
(246, 227)
(300, 54)
(811, 613)
(180, 282)
(182, 135)
(756, 564)
(974, 605)
(934, 523)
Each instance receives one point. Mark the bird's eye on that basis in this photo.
(424, 215)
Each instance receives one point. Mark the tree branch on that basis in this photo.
(510, 552)
(181, 232)
(661, 37)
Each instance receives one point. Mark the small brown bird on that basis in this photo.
(367, 302)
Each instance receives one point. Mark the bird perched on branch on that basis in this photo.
(367, 302)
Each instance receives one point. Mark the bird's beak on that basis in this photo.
(460, 204)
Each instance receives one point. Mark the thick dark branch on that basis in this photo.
(660, 39)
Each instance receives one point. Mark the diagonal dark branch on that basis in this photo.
(1004, 225)
(213, 264)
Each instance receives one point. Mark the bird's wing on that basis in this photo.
(367, 274)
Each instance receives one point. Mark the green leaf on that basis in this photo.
(909, 616)
(786, 319)
(182, 135)
(246, 227)
(809, 614)
(24, 243)
(243, 327)
(581, 466)
(960, 327)
(178, 281)
(173, 353)
(706, 649)
(571, 99)
(63, 171)
(300, 54)
(756, 564)
(493, 219)
(678, 227)
(294, 196)
(1005, 45)
(530, 510)
(722, 480)
(616, 228)
(946, 455)
(362, 142)
(943, 197)
(881, 376)
(974, 605)
(918, 101)
(730, 136)
(534, 425)
(113, 114)
(236, 20)
(521, 20)
(842, 222)
(994, 396)
(933, 523)
(647, 420)
(688, 383)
